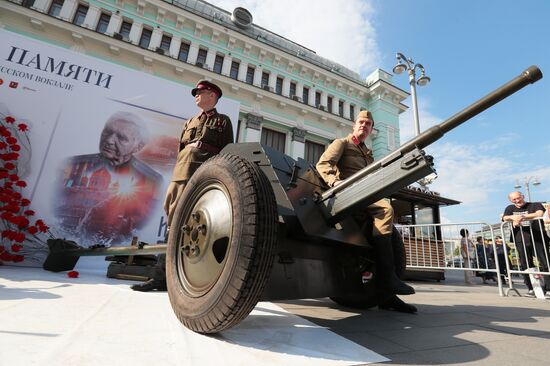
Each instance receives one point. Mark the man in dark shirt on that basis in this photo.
(203, 136)
(528, 235)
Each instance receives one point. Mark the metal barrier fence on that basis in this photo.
(469, 247)
(526, 253)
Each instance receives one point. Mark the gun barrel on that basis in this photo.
(434, 133)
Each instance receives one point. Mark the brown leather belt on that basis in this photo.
(204, 146)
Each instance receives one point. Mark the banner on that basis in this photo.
(102, 141)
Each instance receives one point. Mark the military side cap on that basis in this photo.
(365, 114)
(206, 85)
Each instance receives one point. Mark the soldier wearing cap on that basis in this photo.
(343, 158)
(203, 136)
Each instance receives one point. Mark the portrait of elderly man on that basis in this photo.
(106, 196)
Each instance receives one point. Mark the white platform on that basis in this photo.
(49, 319)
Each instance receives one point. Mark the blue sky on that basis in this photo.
(469, 48)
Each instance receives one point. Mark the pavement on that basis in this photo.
(49, 319)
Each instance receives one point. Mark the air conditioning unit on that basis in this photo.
(159, 50)
(297, 98)
(118, 36)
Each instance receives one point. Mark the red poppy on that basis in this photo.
(32, 230)
(39, 222)
(73, 274)
(4, 132)
(14, 177)
(22, 222)
(25, 202)
(16, 247)
(8, 184)
(3, 145)
(15, 147)
(10, 166)
(6, 215)
(22, 127)
(11, 140)
(5, 256)
(44, 228)
(9, 119)
(29, 212)
(21, 183)
(19, 237)
(16, 195)
(18, 258)
(3, 174)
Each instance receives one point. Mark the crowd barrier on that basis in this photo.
(442, 247)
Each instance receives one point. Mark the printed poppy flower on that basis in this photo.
(5, 256)
(9, 166)
(22, 222)
(22, 127)
(16, 247)
(21, 183)
(9, 119)
(3, 174)
(8, 185)
(15, 147)
(18, 258)
(4, 132)
(32, 230)
(6, 215)
(73, 274)
(11, 140)
(44, 228)
(19, 237)
(14, 177)
(3, 145)
(29, 212)
(17, 195)
(25, 202)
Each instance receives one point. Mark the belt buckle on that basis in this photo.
(199, 144)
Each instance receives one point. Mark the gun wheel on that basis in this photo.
(221, 243)
(370, 297)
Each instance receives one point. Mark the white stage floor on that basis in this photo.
(49, 319)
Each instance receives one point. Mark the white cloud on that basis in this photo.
(425, 117)
(339, 31)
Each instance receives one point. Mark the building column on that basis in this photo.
(253, 128)
(114, 24)
(311, 100)
(272, 80)
(135, 32)
(210, 58)
(92, 17)
(286, 87)
(335, 101)
(324, 98)
(258, 76)
(42, 5)
(193, 53)
(298, 145)
(226, 66)
(300, 90)
(68, 9)
(243, 66)
(156, 37)
(175, 45)
(346, 110)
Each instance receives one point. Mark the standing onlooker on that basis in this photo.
(501, 257)
(529, 236)
(485, 260)
(468, 254)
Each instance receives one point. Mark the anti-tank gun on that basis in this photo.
(254, 224)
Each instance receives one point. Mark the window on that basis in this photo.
(165, 43)
(341, 108)
(279, 86)
(201, 57)
(234, 72)
(292, 89)
(218, 64)
(145, 38)
(28, 3)
(313, 151)
(317, 99)
(265, 78)
(103, 23)
(125, 30)
(250, 75)
(329, 102)
(184, 52)
(55, 8)
(352, 112)
(273, 139)
(305, 95)
(80, 14)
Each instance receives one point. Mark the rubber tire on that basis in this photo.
(370, 297)
(249, 254)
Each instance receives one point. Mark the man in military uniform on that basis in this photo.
(203, 136)
(343, 158)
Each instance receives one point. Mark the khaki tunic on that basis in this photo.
(341, 160)
(210, 128)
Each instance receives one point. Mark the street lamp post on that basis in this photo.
(407, 64)
(535, 182)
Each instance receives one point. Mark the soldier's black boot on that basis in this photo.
(385, 267)
(152, 284)
(396, 304)
(158, 282)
